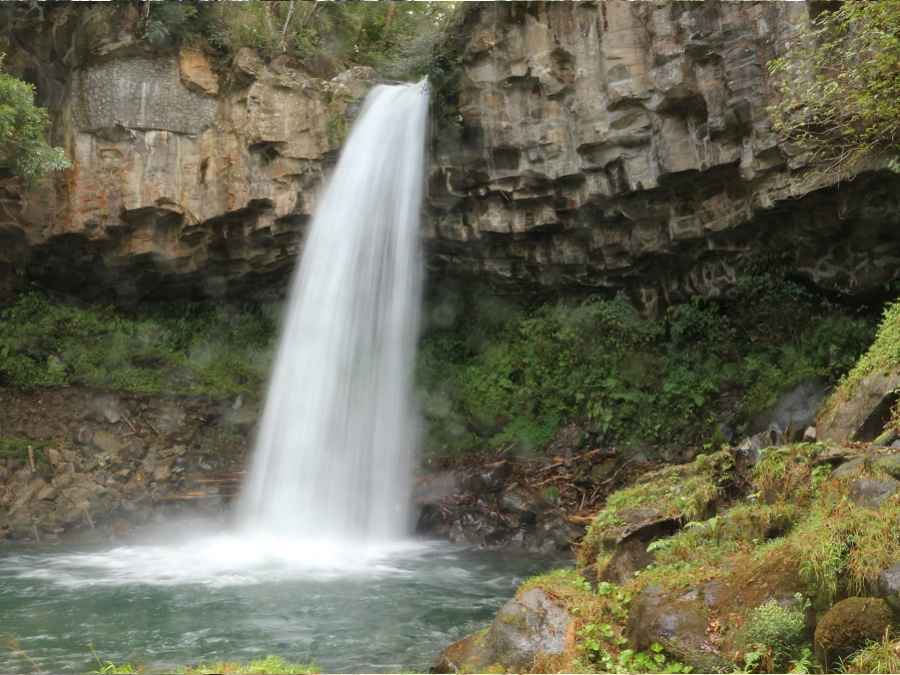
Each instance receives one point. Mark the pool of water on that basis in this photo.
(221, 597)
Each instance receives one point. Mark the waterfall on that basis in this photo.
(333, 452)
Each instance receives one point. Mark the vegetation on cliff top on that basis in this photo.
(839, 85)
(24, 150)
(396, 38)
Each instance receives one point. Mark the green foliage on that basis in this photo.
(840, 93)
(876, 657)
(271, 665)
(395, 38)
(846, 546)
(170, 22)
(24, 150)
(774, 635)
(17, 448)
(110, 668)
(883, 356)
(188, 349)
(499, 375)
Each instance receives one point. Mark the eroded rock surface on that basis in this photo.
(627, 145)
(602, 145)
(185, 180)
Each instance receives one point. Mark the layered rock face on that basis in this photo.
(627, 145)
(185, 181)
(609, 145)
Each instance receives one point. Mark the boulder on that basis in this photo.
(488, 479)
(108, 443)
(873, 492)
(890, 464)
(630, 553)
(849, 468)
(532, 626)
(889, 586)
(848, 625)
(863, 415)
(678, 622)
(795, 410)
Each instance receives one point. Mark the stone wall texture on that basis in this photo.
(590, 146)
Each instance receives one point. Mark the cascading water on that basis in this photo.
(333, 453)
(324, 509)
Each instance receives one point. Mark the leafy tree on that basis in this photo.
(839, 85)
(24, 150)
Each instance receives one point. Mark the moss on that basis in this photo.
(271, 665)
(786, 473)
(850, 625)
(882, 356)
(881, 656)
(185, 349)
(686, 492)
(845, 546)
(506, 373)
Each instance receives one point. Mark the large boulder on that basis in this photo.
(848, 625)
(862, 414)
(530, 628)
(677, 621)
(794, 411)
(873, 492)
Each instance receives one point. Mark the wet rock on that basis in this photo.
(630, 553)
(108, 443)
(890, 464)
(889, 586)
(567, 440)
(871, 492)
(490, 478)
(528, 628)
(168, 419)
(849, 625)
(553, 534)
(850, 468)
(886, 438)
(863, 417)
(107, 409)
(677, 622)
(520, 502)
(795, 410)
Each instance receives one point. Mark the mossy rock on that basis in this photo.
(849, 625)
(678, 622)
(675, 493)
(531, 627)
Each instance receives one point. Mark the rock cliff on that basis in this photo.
(628, 145)
(608, 145)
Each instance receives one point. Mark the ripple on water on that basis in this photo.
(214, 597)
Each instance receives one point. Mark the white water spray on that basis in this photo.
(333, 454)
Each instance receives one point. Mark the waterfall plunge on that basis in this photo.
(333, 453)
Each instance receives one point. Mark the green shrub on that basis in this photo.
(188, 348)
(840, 94)
(24, 150)
(501, 374)
(774, 634)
